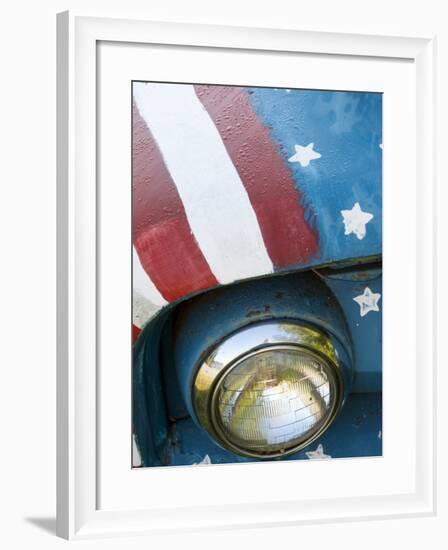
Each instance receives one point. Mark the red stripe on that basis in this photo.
(135, 332)
(162, 236)
(268, 181)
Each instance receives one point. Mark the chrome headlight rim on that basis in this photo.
(226, 356)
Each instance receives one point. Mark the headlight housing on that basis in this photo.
(269, 389)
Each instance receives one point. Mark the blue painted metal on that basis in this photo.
(205, 321)
(175, 404)
(366, 332)
(356, 432)
(159, 395)
(162, 393)
(149, 414)
(346, 129)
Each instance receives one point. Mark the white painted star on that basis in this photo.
(318, 454)
(381, 146)
(205, 460)
(368, 301)
(355, 221)
(304, 155)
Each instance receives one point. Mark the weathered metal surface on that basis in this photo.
(249, 184)
(162, 234)
(366, 330)
(346, 130)
(149, 413)
(356, 432)
(231, 183)
(278, 204)
(325, 299)
(210, 318)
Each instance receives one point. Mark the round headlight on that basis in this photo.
(269, 390)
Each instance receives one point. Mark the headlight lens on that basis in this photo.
(272, 400)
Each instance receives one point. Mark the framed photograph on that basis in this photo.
(255, 269)
(245, 304)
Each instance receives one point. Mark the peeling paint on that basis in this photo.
(142, 309)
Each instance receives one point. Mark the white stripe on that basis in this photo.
(216, 203)
(142, 309)
(142, 283)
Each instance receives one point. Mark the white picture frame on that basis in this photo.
(81, 508)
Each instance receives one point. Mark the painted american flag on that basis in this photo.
(231, 183)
